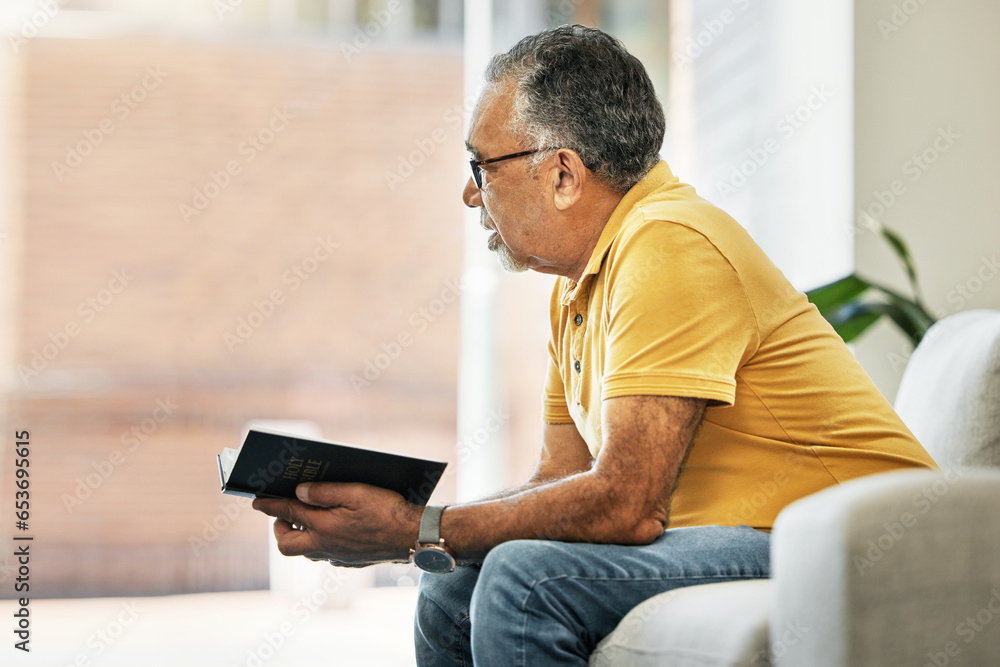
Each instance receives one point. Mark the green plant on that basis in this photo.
(853, 304)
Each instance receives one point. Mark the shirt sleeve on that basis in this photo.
(678, 317)
(554, 408)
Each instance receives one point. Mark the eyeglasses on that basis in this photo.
(477, 173)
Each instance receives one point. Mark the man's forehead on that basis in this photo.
(488, 124)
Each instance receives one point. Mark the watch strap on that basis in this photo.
(430, 525)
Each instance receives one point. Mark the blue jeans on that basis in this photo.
(535, 602)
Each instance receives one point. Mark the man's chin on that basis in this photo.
(505, 257)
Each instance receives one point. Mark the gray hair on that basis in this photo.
(578, 88)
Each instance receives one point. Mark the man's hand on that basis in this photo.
(346, 524)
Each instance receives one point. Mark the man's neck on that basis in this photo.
(597, 212)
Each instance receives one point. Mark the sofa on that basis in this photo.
(900, 568)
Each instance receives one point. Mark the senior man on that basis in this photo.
(692, 392)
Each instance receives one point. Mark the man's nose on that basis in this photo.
(471, 194)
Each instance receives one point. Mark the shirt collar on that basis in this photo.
(657, 176)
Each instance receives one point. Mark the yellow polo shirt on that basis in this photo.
(677, 300)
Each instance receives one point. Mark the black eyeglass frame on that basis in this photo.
(477, 173)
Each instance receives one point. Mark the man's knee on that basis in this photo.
(436, 629)
(513, 567)
(441, 621)
(431, 589)
(450, 592)
(518, 556)
(516, 551)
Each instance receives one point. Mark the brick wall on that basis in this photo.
(209, 236)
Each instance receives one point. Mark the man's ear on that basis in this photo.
(569, 176)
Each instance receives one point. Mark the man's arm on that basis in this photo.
(564, 453)
(623, 498)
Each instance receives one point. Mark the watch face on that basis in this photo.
(433, 559)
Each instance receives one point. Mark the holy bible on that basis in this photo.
(270, 464)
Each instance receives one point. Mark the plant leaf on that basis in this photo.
(855, 317)
(911, 318)
(918, 318)
(829, 298)
(852, 319)
(852, 304)
(903, 253)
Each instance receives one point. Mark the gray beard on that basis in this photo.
(505, 257)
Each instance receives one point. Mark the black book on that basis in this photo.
(271, 464)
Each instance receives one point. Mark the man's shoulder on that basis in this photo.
(682, 229)
(673, 220)
(679, 210)
(683, 243)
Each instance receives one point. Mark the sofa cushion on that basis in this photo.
(950, 392)
(698, 626)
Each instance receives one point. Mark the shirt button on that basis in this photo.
(576, 365)
(578, 320)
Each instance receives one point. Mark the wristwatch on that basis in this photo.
(429, 553)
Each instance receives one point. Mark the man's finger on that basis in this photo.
(329, 494)
(291, 511)
(269, 506)
(292, 541)
(282, 528)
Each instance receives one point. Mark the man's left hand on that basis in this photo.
(346, 524)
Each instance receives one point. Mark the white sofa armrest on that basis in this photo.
(901, 568)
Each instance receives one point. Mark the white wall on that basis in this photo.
(761, 104)
(927, 80)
